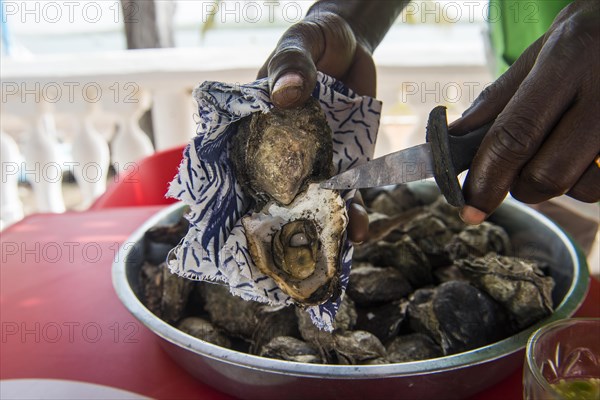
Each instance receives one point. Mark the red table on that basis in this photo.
(61, 318)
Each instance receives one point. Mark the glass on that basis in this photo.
(562, 361)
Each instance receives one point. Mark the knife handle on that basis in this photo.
(451, 154)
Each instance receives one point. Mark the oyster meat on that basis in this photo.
(296, 232)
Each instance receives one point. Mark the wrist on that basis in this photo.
(368, 20)
(342, 14)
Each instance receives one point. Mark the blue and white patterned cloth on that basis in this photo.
(215, 247)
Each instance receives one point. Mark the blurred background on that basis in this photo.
(91, 87)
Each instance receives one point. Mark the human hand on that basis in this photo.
(323, 41)
(546, 138)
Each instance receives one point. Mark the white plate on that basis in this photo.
(18, 389)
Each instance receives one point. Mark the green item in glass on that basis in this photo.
(578, 389)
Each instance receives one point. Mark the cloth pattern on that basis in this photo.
(215, 247)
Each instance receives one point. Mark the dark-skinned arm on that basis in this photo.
(337, 38)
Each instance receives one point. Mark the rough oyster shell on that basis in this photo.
(164, 294)
(392, 202)
(291, 349)
(412, 347)
(369, 284)
(383, 321)
(276, 154)
(477, 241)
(202, 329)
(517, 284)
(298, 246)
(457, 316)
(358, 347)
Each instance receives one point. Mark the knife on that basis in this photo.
(442, 157)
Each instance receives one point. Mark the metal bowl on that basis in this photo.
(455, 376)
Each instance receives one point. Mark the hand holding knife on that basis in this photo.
(443, 157)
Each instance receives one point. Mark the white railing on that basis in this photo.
(90, 105)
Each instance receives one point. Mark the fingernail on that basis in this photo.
(288, 88)
(472, 216)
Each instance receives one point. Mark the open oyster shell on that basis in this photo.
(298, 246)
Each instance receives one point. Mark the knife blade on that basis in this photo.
(442, 157)
(408, 165)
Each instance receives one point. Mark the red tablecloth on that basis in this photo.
(61, 318)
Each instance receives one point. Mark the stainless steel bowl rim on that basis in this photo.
(572, 300)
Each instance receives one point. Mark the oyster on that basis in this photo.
(395, 201)
(449, 273)
(291, 349)
(477, 241)
(299, 246)
(159, 240)
(202, 329)
(151, 277)
(404, 255)
(447, 213)
(412, 347)
(295, 235)
(165, 294)
(175, 293)
(457, 316)
(369, 284)
(358, 347)
(234, 315)
(345, 320)
(517, 284)
(276, 154)
(432, 235)
(383, 321)
(254, 322)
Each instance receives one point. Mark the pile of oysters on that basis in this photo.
(423, 286)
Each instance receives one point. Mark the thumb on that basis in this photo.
(291, 67)
(292, 77)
